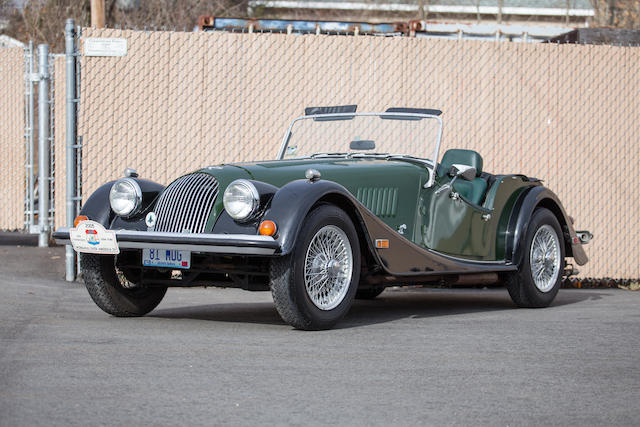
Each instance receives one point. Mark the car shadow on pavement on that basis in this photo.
(256, 312)
(389, 306)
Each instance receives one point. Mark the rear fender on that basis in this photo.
(527, 203)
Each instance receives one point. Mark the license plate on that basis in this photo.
(166, 258)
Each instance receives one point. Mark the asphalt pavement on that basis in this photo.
(224, 357)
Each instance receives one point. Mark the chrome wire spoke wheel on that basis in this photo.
(545, 258)
(328, 267)
(124, 282)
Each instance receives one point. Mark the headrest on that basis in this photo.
(463, 157)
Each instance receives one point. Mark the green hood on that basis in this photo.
(389, 188)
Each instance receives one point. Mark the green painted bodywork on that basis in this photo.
(459, 228)
(394, 191)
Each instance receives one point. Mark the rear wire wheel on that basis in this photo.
(538, 279)
(314, 286)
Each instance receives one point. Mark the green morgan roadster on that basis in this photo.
(340, 214)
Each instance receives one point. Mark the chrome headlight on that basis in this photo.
(241, 199)
(125, 197)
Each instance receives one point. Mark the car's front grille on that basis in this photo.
(186, 203)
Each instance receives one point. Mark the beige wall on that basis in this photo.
(12, 145)
(567, 114)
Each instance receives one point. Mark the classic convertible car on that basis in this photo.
(339, 215)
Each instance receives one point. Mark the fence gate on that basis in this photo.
(39, 137)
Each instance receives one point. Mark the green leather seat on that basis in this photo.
(471, 190)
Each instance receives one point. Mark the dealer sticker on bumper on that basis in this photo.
(166, 258)
(91, 237)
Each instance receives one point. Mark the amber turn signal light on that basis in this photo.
(79, 219)
(267, 228)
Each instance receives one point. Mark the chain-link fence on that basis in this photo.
(12, 146)
(567, 114)
(177, 101)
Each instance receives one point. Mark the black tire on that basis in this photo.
(287, 274)
(369, 293)
(521, 285)
(107, 290)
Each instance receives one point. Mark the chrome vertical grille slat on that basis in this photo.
(182, 192)
(161, 208)
(197, 212)
(172, 198)
(186, 204)
(207, 205)
(189, 206)
(193, 203)
(168, 198)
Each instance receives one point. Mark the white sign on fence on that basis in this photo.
(105, 47)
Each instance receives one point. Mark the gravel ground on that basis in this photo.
(224, 357)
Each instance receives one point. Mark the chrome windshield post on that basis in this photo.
(432, 175)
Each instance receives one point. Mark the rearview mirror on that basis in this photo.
(464, 171)
(362, 144)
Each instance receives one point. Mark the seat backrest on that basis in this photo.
(461, 157)
(471, 190)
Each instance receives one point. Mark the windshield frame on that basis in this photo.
(343, 116)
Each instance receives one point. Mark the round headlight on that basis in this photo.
(241, 199)
(125, 197)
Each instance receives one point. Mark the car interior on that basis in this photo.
(475, 190)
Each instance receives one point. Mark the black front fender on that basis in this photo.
(292, 202)
(98, 208)
(526, 204)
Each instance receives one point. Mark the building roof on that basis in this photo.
(559, 4)
(577, 8)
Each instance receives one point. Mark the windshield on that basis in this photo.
(363, 134)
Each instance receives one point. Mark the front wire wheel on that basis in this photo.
(538, 279)
(328, 267)
(314, 286)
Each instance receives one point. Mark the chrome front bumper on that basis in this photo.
(231, 244)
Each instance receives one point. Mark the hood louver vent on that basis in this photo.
(383, 202)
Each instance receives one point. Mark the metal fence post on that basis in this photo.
(70, 59)
(31, 204)
(43, 146)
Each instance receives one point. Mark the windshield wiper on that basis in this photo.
(352, 155)
(313, 156)
(410, 159)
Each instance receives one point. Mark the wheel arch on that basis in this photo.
(530, 200)
(347, 205)
(293, 202)
(97, 206)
